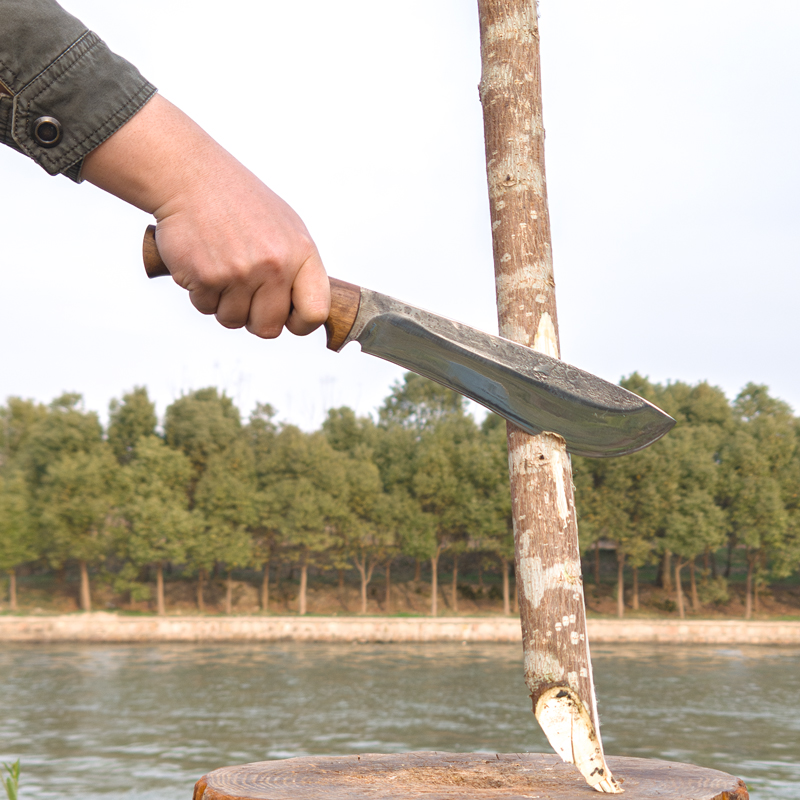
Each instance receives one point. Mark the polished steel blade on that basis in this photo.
(534, 391)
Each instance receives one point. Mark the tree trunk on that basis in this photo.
(303, 587)
(693, 587)
(201, 574)
(387, 603)
(558, 669)
(455, 583)
(366, 576)
(265, 587)
(679, 587)
(635, 589)
(340, 577)
(161, 607)
(506, 593)
(748, 588)
(228, 593)
(435, 583)
(666, 571)
(12, 590)
(729, 560)
(620, 584)
(86, 597)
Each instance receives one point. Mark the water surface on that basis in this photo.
(93, 721)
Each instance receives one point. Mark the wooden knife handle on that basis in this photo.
(345, 297)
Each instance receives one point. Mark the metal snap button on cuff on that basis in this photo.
(47, 131)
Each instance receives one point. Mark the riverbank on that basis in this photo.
(106, 627)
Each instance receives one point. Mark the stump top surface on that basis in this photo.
(456, 776)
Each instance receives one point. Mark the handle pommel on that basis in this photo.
(153, 265)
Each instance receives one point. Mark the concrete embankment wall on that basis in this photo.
(105, 627)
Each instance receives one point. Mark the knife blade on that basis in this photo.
(538, 393)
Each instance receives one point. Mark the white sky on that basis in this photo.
(673, 132)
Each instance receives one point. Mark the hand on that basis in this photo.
(242, 253)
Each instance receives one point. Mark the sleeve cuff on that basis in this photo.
(75, 104)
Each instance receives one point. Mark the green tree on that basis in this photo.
(226, 500)
(415, 457)
(443, 487)
(368, 529)
(305, 491)
(492, 522)
(419, 403)
(202, 424)
(694, 522)
(17, 531)
(260, 435)
(78, 496)
(66, 429)
(129, 419)
(18, 418)
(156, 524)
(757, 491)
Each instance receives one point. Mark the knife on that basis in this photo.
(536, 392)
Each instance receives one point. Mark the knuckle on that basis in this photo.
(264, 331)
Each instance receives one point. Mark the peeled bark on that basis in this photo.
(161, 608)
(86, 597)
(620, 584)
(558, 669)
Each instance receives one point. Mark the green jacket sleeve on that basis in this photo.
(62, 91)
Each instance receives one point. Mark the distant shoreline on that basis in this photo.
(115, 628)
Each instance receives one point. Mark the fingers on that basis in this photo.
(311, 298)
(301, 306)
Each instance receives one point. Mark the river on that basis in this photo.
(95, 721)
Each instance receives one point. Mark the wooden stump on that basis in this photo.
(452, 776)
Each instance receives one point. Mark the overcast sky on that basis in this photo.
(673, 171)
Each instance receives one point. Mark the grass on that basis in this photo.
(11, 782)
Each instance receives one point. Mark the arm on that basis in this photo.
(240, 251)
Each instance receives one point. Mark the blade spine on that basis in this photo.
(370, 308)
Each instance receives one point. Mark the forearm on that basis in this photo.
(157, 156)
(241, 252)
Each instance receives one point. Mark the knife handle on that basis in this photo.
(345, 297)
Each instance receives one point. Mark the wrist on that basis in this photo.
(154, 159)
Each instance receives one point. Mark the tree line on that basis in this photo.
(208, 492)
